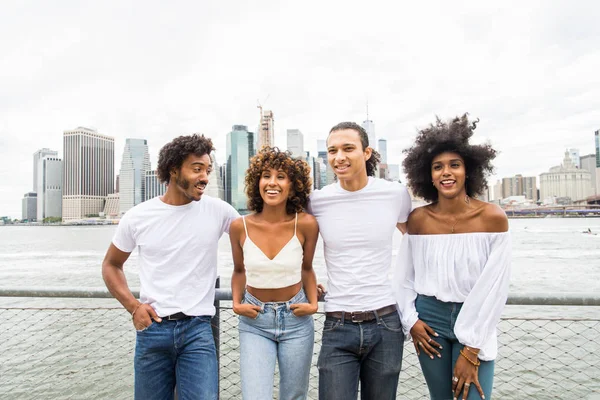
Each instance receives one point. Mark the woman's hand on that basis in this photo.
(247, 310)
(466, 374)
(421, 334)
(303, 309)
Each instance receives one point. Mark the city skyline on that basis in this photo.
(156, 73)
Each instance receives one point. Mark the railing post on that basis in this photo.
(215, 323)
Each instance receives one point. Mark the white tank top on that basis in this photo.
(285, 269)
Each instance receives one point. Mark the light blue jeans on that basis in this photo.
(180, 354)
(441, 317)
(275, 334)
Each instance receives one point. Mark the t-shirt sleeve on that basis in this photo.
(405, 204)
(124, 238)
(229, 214)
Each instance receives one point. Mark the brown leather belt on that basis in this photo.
(362, 316)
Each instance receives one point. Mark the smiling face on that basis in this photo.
(448, 173)
(346, 155)
(274, 186)
(191, 179)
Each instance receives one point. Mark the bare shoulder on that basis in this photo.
(237, 226)
(494, 218)
(417, 218)
(307, 221)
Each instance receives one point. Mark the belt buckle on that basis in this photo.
(357, 316)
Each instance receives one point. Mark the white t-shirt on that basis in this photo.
(177, 252)
(357, 230)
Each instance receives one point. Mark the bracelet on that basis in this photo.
(475, 363)
(470, 350)
(135, 309)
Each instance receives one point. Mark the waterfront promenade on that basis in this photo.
(86, 351)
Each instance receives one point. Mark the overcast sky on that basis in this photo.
(154, 70)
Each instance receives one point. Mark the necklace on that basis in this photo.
(468, 201)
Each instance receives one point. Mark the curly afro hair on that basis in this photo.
(296, 169)
(452, 136)
(364, 141)
(172, 154)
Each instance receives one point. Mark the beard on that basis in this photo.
(182, 183)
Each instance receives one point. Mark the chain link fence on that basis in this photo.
(87, 353)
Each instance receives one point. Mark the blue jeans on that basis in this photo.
(178, 354)
(441, 317)
(276, 334)
(367, 351)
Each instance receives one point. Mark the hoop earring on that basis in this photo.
(467, 199)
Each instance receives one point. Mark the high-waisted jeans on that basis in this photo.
(275, 334)
(441, 317)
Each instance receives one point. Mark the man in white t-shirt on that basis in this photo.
(176, 236)
(357, 216)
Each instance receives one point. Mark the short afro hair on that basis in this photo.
(172, 154)
(296, 169)
(441, 137)
(364, 141)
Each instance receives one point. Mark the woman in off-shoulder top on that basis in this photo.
(452, 274)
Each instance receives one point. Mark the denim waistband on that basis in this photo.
(299, 297)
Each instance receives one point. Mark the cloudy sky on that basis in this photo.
(529, 70)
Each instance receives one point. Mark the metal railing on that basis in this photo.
(58, 351)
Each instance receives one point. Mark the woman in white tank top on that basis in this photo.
(273, 282)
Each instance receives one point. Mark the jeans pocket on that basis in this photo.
(145, 329)
(331, 324)
(391, 322)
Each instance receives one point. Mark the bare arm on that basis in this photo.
(238, 278)
(114, 277)
(310, 230)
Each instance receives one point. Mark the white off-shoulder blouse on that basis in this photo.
(469, 268)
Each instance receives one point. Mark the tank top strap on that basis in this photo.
(245, 228)
(295, 224)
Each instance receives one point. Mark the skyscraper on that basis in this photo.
(369, 126)
(88, 172)
(37, 156)
(266, 133)
(215, 183)
(240, 147)
(153, 186)
(574, 153)
(588, 163)
(132, 176)
(49, 187)
(29, 206)
(382, 145)
(295, 142)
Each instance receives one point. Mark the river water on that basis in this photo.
(550, 256)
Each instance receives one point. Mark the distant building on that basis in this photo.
(588, 163)
(49, 187)
(382, 145)
(266, 133)
(519, 185)
(215, 183)
(597, 139)
(239, 150)
(29, 206)
(37, 156)
(88, 172)
(132, 176)
(369, 126)
(498, 191)
(153, 186)
(565, 181)
(295, 142)
(111, 206)
(574, 154)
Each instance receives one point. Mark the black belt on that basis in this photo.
(177, 317)
(362, 316)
